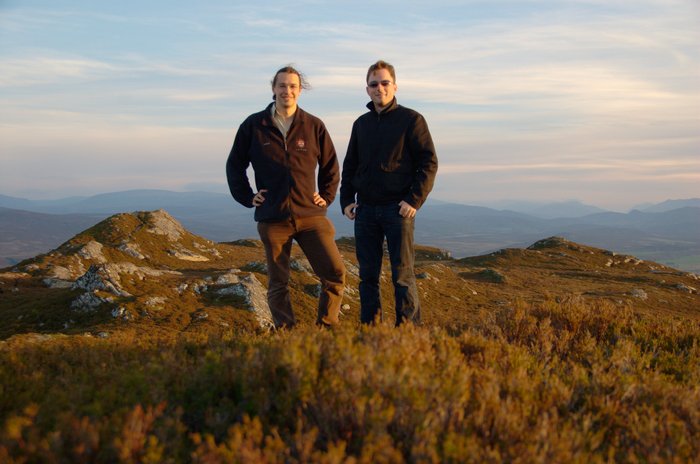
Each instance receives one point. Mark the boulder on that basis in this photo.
(255, 296)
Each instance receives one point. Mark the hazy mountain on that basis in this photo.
(669, 236)
(24, 234)
(562, 209)
(670, 205)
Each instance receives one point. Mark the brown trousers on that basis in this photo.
(315, 235)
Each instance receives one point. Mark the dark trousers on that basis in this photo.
(315, 235)
(372, 225)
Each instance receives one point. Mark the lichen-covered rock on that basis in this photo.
(57, 283)
(101, 277)
(88, 302)
(231, 277)
(639, 293)
(60, 273)
(131, 249)
(255, 296)
(92, 251)
(121, 313)
(256, 266)
(161, 223)
(686, 288)
(184, 254)
(301, 265)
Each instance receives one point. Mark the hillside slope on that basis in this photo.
(143, 272)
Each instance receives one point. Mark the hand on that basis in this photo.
(259, 198)
(349, 211)
(406, 210)
(319, 201)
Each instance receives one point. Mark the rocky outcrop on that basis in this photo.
(184, 254)
(101, 277)
(107, 278)
(231, 277)
(255, 296)
(93, 252)
(131, 249)
(88, 302)
(161, 223)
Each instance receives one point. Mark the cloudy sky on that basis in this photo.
(594, 100)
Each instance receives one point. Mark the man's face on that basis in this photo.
(287, 89)
(381, 87)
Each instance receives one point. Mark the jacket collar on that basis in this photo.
(391, 107)
(299, 116)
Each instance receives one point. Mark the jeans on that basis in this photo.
(315, 235)
(372, 225)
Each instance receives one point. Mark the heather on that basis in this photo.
(563, 380)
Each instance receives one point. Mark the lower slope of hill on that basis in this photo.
(144, 272)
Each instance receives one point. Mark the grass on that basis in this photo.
(566, 381)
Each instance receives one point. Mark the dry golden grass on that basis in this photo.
(553, 382)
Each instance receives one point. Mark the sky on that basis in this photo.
(596, 101)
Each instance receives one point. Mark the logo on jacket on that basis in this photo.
(300, 143)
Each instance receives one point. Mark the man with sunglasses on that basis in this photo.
(389, 169)
(286, 146)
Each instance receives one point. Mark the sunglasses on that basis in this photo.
(375, 84)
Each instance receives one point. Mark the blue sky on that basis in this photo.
(530, 100)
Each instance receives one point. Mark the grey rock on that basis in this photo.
(88, 302)
(161, 223)
(184, 254)
(492, 275)
(101, 277)
(350, 268)
(231, 277)
(639, 293)
(92, 251)
(301, 265)
(687, 288)
(60, 273)
(255, 297)
(256, 266)
(121, 313)
(131, 249)
(57, 283)
(313, 290)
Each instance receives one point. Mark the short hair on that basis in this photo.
(303, 83)
(381, 64)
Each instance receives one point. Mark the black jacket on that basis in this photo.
(391, 157)
(286, 169)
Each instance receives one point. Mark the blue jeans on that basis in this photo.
(372, 225)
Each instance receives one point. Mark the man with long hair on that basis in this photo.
(285, 145)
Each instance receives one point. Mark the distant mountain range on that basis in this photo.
(668, 232)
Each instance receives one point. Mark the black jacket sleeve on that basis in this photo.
(425, 163)
(236, 165)
(328, 169)
(347, 190)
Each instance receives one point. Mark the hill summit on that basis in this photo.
(144, 271)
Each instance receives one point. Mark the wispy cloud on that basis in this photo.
(527, 92)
